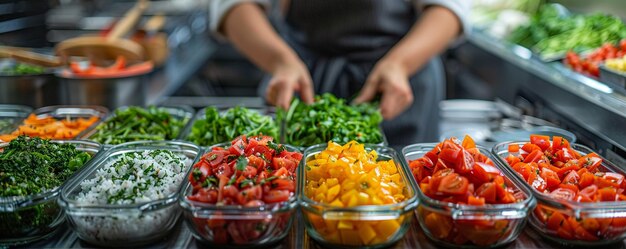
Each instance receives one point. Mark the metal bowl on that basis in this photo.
(36, 90)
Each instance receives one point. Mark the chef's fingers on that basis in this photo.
(369, 90)
(284, 93)
(306, 89)
(270, 92)
(395, 100)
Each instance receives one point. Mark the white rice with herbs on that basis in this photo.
(134, 177)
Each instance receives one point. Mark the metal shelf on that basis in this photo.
(514, 71)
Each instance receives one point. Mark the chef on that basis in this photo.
(356, 49)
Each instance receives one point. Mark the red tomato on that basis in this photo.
(274, 196)
(563, 194)
(542, 141)
(250, 194)
(284, 184)
(551, 177)
(563, 155)
(529, 147)
(256, 162)
(476, 201)
(205, 195)
(589, 191)
(432, 156)
(480, 175)
(450, 155)
(262, 140)
(571, 178)
(558, 143)
(238, 146)
(487, 191)
(440, 166)
(215, 157)
(534, 156)
(249, 172)
(465, 162)
(607, 194)
(230, 191)
(614, 178)
(537, 182)
(513, 148)
(223, 170)
(436, 178)
(555, 221)
(453, 184)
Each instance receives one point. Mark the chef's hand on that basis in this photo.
(392, 81)
(287, 78)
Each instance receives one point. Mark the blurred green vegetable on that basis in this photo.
(328, 119)
(23, 69)
(551, 34)
(138, 123)
(215, 128)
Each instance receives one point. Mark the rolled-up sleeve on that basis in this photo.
(219, 9)
(461, 8)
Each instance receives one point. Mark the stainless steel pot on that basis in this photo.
(36, 90)
(109, 92)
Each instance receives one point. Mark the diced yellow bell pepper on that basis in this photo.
(332, 193)
(337, 203)
(343, 224)
(387, 228)
(350, 237)
(363, 198)
(348, 176)
(322, 189)
(333, 237)
(331, 182)
(366, 232)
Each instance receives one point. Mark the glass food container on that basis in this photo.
(380, 225)
(610, 217)
(466, 226)
(230, 226)
(26, 219)
(11, 116)
(125, 224)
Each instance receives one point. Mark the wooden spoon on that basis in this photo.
(97, 48)
(23, 55)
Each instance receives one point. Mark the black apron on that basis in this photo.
(341, 41)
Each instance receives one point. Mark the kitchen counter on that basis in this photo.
(181, 237)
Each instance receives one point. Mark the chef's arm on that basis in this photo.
(248, 28)
(430, 35)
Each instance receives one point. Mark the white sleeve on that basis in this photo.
(219, 8)
(461, 8)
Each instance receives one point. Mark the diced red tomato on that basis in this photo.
(563, 194)
(488, 192)
(248, 173)
(542, 141)
(463, 175)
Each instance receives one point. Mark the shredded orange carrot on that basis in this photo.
(50, 128)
